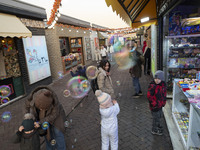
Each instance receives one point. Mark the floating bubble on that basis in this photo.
(91, 72)
(6, 116)
(85, 85)
(60, 75)
(66, 93)
(117, 46)
(120, 94)
(4, 100)
(111, 40)
(81, 105)
(76, 88)
(123, 60)
(53, 142)
(5, 91)
(66, 124)
(75, 140)
(45, 125)
(118, 83)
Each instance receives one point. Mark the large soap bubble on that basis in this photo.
(124, 60)
(91, 72)
(78, 86)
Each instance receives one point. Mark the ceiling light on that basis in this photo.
(144, 19)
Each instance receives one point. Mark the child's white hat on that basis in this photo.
(104, 99)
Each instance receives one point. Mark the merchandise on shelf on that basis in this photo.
(183, 58)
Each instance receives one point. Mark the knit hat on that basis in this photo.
(159, 75)
(28, 124)
(43, 99)
(104, 99)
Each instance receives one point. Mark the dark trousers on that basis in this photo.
(147, 63)
(157, 125)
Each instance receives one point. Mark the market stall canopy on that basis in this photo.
(102, 35)
(11, 26)
(132, 11)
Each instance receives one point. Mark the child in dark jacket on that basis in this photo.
(28, 134)
(81, 71)
(157, 99)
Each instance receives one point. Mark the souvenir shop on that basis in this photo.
(180, 59)
(19, 50)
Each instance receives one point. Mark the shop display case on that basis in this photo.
(181, 57)
(186, 116)
(72, 60)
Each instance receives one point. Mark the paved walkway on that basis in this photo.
(134, 120)
(83, 132)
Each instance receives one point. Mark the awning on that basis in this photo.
(102, 35)
(132, 11)
(11, 26)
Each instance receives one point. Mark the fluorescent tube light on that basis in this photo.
(144, 19)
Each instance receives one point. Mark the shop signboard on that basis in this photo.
(36, 58)
(153, 49)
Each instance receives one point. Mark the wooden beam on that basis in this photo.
(138, 12)
(133, 7)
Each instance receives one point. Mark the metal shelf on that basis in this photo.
(181, 36)
(184, 47)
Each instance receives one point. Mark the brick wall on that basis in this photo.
(53, 46)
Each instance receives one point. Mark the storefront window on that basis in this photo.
(71, 52)
(10, 74)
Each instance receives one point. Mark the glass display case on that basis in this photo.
(182, 57)
(186, 115)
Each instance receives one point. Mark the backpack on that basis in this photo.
(94, 85)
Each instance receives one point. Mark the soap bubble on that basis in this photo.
(5, 91)
(4, 100)
(53, 142)
(66, 93)
(117, 46)
(66, 124)
(118, 83)
(120, 94)
(91, 72)
(85, 85)
(60, 75)
(77, 86)
(111, 40)
(6, 116)
(123, 59)
(45, 125)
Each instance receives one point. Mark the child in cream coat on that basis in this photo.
(109, 124)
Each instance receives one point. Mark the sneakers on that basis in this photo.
(140, 93)
(157, 133)
(136, 95)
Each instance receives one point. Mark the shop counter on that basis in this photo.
(186, 116)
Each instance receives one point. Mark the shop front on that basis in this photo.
(19, 48)
(181, 40)
(179, 57)
(68, 45)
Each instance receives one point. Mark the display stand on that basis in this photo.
(186, 117)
